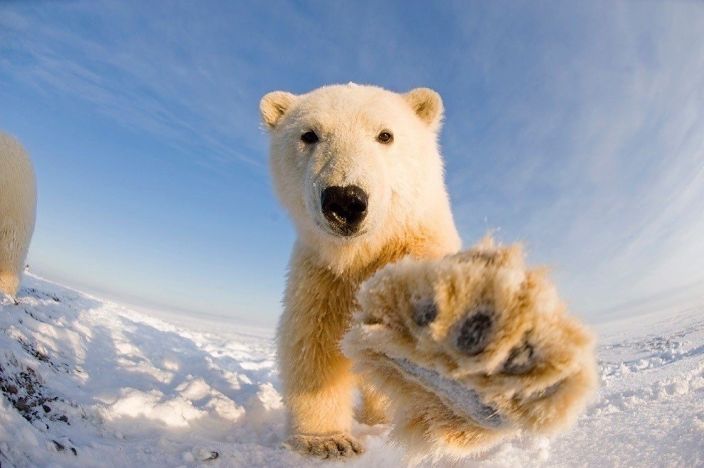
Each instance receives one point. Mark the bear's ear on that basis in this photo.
(274, 105)
(427, 104)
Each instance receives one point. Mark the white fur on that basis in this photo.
(18, 198)
(408, 214)
(404, 180)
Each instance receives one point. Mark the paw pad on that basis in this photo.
(520, 360)
(474, 334)
(424, 313)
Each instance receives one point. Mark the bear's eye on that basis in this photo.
(309, 137)
(385, 137)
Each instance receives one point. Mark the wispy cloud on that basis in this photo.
(141, 74)
(601, 165)
(574, 126)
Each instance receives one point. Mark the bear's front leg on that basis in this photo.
(316, 378)
(319, 403)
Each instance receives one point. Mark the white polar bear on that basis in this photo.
(18, 200)
(359, 170)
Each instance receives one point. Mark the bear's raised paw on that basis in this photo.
(470, 349)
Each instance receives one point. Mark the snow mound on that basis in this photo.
(87, 382)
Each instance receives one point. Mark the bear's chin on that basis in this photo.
(345, 255)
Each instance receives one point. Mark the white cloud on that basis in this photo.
(605, 177)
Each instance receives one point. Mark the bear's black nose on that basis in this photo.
(344, 208)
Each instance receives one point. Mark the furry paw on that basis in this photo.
(471, 349)
(325, 446)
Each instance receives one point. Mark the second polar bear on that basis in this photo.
(18, 199)
(359, 170)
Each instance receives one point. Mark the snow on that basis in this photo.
(89, 382)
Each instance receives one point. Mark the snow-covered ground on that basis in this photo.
(88, 382)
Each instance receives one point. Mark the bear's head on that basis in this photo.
(357, 167)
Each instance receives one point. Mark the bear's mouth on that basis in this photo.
(461, 399)
(327, 228)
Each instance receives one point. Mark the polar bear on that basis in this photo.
(359, 171)
(18, 199)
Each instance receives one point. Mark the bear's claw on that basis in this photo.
(325, 446)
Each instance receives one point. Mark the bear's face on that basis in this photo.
(354, 165)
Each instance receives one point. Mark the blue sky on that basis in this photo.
(576, 127)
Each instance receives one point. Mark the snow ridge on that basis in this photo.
(88, 382)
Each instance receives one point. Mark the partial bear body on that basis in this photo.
(462, 351)
(17, 212)
(359, 170)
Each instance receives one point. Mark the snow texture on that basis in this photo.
(88, 382)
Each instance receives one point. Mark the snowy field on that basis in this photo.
(88, 382)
